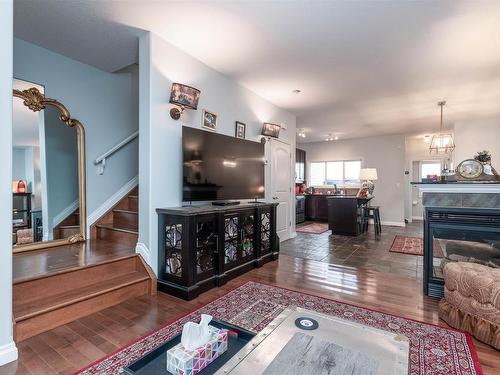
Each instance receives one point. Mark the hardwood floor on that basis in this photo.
(65, 349)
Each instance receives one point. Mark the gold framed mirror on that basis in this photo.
(49, 203)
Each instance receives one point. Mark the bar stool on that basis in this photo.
(373, 212)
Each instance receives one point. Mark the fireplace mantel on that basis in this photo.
(459, 187)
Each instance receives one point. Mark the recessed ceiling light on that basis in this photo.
(296, 91)
(301, 133)
(329, 137)
(336, 138)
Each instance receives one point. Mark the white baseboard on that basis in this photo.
(113, 200)
(8, 353)
(394, 223)
(417, 218)
(143, 251)
(58, 219)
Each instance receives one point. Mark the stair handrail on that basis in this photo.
(101, 160)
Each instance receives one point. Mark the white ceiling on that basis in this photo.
(364, 67)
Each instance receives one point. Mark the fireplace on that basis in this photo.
(458, 234)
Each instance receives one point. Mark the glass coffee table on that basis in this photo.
(298, 342)
(304, 342)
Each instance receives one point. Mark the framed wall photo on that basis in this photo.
(240, 129)
(209, 120)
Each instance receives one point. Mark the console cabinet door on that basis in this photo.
(247, 231)
(232, 232)
(173, 241)
(266, 223)
(239, 238)
(206, 246)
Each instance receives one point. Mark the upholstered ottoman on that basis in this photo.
(472, 300)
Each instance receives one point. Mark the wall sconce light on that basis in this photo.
(271, 130)
(183, 96)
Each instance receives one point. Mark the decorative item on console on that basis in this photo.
(479, 168)
(183, 96)
(20, 186)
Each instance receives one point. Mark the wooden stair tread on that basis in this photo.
(133, 196)
(111, 227)
(33, 308)
(69, 226)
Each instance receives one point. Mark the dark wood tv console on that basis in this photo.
(200, 247)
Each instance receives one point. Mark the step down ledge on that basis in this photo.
(110, 227)
(121, 211)
(77, 295)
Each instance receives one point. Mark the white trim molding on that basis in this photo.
(394, 223)
(112, 201)
(457, 187)
(142, 250)
(59, 218)
(8, 353)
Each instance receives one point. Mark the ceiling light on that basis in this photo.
(442, 143)
(301, 133)
(296, 91)
(336, 138)
(329, 137)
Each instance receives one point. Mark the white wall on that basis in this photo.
(8, 351)
(386, 153)
(417, 150)
(479, 135)
(105, 103)
(160, 180)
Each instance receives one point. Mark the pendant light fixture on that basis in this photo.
(442, 143)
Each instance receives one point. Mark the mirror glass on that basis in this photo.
(45, 174)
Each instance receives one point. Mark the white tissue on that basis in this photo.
(195, 335)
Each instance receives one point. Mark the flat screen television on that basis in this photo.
(220, 167)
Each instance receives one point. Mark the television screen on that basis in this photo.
(220, 167)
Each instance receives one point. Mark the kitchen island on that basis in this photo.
(346, 214)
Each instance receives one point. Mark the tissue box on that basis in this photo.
(183, 362)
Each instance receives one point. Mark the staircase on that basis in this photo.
(82, 278)
(120, 224)
(48, 301)
(68, 227)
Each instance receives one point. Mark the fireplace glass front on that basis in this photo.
(458, 236)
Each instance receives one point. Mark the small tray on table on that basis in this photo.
(155, 362)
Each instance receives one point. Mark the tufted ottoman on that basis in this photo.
(472, 300)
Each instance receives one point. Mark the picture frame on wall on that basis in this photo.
(240, 130)
(209, 120)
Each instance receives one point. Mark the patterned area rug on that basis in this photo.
(433, 349)
(313, 228)
(413, 246)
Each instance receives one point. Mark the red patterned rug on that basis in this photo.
(433, 349)
(413, 246)
(313, 228)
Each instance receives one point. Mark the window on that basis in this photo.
(430, 168)
(339, 172)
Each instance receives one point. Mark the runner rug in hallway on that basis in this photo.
(433, 349)
(413, 246)
(313, 228)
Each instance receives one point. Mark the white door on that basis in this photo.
(281, 186)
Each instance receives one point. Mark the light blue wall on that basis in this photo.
(106, 104)
(61, 156)
(160, 179)
(8, 351)
(18, 163)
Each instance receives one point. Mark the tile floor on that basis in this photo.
(364, 251)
